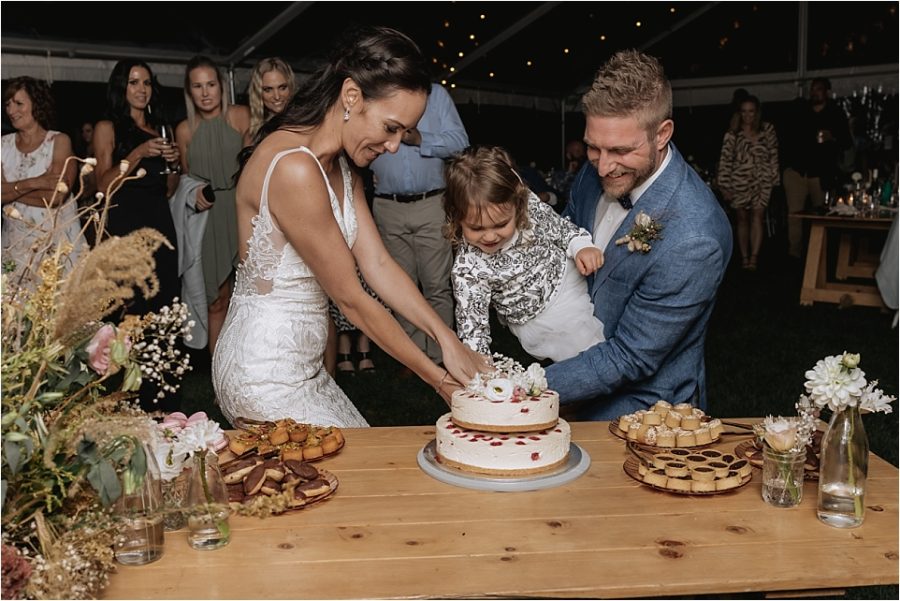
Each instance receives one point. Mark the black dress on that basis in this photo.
(143, 203)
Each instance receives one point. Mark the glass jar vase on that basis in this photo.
(782, 477)
(843, 467)
(174, 494)
(207, 506)
(139, 511)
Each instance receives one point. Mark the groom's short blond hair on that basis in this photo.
(631, 83)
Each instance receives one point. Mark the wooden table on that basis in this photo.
(392, 531)
(816, 286)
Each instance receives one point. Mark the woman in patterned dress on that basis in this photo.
(748, 170)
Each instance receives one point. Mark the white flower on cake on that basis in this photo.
(498, 389)
(509, 380)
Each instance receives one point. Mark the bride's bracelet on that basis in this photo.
(437, 387)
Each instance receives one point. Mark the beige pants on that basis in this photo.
(796, 189)
(412, 233)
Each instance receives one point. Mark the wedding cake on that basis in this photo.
(504, 423)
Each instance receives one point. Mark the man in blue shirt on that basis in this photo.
(408, 207)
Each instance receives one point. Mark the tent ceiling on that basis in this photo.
(538, 49)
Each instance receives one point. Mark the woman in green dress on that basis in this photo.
(210, 139)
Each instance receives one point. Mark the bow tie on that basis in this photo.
(625, 201)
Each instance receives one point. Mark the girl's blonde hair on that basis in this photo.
(479, 177)
(258, 110)
(196, 63)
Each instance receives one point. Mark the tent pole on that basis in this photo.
(802, 43)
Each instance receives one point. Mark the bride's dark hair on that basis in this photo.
(379, 59)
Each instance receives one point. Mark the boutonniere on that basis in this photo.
(645, 230)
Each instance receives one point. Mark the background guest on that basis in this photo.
(33, 159)
(813, 143)
(130, 132)
(576, 155)
(209, 140)
(409, 189)
(748, 170)
(272, 86)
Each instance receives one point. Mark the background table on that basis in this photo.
(815, 286)
(391, 531)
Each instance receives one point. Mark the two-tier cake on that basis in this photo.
(504, 423)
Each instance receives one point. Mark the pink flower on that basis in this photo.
(98, 350)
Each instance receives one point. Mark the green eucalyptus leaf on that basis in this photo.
(105, 481)
(13, 454)
(132, 378)
(3, 487)
(138, 461)
(118, 352)
(15, 436)
(87, 450)
(8, 418)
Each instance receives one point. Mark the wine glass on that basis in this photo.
(165, 132)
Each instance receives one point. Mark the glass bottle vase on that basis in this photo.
(207, 505)
(139, 510)
(843, 467)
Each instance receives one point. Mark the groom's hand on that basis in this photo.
(588, 260)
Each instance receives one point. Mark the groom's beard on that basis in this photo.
(622, 182)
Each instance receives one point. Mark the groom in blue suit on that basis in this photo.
(655, 295)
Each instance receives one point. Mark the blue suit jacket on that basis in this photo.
(655, 307)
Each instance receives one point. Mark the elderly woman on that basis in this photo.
(35, 220)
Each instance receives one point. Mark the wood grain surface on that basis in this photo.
(391, 531)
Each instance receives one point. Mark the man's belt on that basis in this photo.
(410, 197)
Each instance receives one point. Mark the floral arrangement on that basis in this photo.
(509, 380)
(179, 437)
(644, 231)
(72, 437)
(837, 382)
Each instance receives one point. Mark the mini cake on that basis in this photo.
(505, 423)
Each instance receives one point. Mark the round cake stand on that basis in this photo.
(577, 463)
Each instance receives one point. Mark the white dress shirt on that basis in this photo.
(610, 214)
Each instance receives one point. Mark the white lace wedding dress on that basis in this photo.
(268, 360)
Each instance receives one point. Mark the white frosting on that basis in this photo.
(471, 408)
(502, 452)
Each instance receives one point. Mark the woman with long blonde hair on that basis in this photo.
(272, 86)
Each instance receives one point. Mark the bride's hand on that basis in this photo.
(463, 363)
(447, 386)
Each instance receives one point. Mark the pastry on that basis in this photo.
(685, 409)
(655, 477)
(711, 453)
(665, 438)
(732, 480)
(703, 485)
(703, 435)
(695, 459)
(680, 484)
(660, 460)
(690, 422)
(673, 419)
(651, 419)
(676, 469)
(703, 472)
(720, 468)
(685, 438)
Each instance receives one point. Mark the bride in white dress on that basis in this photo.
(303, 226)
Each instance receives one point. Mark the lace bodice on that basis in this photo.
(268, 362)
(271, 263)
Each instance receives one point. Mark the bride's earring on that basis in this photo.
(346, 115)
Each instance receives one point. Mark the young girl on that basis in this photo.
(515, 252)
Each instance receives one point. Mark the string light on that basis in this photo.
(491, 74)
(482, 17)
(528, 63)
(565, 51)
(461, 54)
(637, 24)
(602, 38)
(471, 36)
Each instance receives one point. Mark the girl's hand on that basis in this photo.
(201, 204)
(588, 260)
